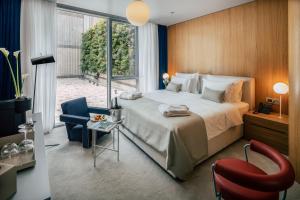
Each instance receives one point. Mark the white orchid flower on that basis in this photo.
(24, 77)
(16, 82)
(5, 52)
(17, 53)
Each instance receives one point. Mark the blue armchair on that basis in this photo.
(76, 115)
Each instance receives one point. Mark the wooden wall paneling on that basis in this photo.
(171, 49)
(272, 45)
(294, 79)
(248, 40)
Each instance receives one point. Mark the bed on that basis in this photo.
(179, 144)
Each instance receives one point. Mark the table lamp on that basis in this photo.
(280, 88)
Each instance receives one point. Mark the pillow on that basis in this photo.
(200, 82)
(215, 85)
(194, 80)
(174, 87)
(233, 92)
(226, 78)
(185, 83)
(213, 95)
(232, 88)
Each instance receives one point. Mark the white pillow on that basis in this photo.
(200, 82)
(228, 79)
(215, 85)
(233, 92)
(223, 78)
(232, 88)
(194, 81)
(185, 83)
(173, 87)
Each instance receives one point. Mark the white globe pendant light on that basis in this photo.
(138, 13)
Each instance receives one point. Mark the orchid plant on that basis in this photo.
(166, 79)
(17, 83)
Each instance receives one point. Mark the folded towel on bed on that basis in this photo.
(130, 95)
(174, 110)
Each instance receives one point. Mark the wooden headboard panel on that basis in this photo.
(249, 40)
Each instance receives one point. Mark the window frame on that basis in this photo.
(109, 19)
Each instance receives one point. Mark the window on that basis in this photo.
(70, 28)
(123, 50)
(94, 49)
(81, 44)
(96, 56)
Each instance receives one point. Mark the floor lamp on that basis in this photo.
(39, 61)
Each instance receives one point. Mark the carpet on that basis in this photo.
(135, 176)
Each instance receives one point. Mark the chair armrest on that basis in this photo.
(73, 119)
(104, 111)
(261, 182)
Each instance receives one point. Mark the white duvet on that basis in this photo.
(218, 117)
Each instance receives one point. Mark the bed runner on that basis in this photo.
(181, 140)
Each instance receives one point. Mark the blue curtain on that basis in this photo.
(163, 53)
(10, 11)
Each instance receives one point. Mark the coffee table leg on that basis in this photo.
(94, 146)
(118, 143)
(113, 135)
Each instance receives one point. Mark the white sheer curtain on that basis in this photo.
(148, 57)
(38, 22)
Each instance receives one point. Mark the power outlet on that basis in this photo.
(271, 100)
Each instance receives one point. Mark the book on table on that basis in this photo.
(104, 125)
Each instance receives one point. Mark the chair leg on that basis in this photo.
(284, 195)
(246, 146)
(218, 194)
(85, 138)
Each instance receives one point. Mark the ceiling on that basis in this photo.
(160, 9)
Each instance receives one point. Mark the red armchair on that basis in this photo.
(235, 179)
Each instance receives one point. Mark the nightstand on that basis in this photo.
(267, 128)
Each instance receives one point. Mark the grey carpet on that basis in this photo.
(136, 176)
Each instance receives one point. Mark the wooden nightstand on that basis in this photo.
(267, 128)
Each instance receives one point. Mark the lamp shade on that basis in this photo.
(281, 88)
(138, 13)
(165, 76)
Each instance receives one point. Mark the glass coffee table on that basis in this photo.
(106, 126)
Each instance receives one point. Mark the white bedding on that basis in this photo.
(218, 117)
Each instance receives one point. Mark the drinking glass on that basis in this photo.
(9, 150)
(26, 144)
(5, 153)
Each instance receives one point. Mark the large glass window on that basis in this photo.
(69, 31)
(94, 49)
(86, 65)
(123, 50)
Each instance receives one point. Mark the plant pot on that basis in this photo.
(7, 117)
(22, 104)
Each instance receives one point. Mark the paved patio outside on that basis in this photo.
(96, 95)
